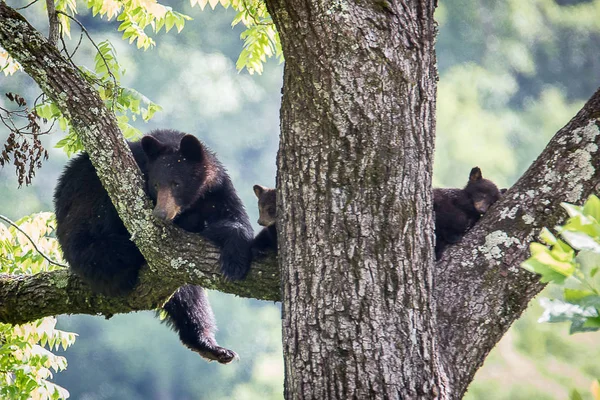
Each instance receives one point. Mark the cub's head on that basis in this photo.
(482, 192)
(267, 210)
(180, 170)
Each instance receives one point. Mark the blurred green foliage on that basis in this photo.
(511, 74)
(572, 263)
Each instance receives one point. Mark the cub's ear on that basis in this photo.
(258, 190)
(191, 148)
(152, 147)
(503, 190)
(475, 175)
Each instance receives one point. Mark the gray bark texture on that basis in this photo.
(354, 179)
(367, 312)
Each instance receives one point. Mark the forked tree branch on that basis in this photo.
(480, 289)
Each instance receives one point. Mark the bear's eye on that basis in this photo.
(156, 186)
(174, 184)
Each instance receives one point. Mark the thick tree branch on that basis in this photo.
(25, 298)
(480, 288)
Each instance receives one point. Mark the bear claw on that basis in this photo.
(219, 354)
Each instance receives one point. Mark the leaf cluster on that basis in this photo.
(136, 16)
(26, 358)
(261, 40)
(572, 263)
(7, 64)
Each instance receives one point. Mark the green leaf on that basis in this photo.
(170, 21)
(574, 395)
(560, 311)
(591, 208)
(572, 210)
(550, 262)
(592, 322)
(547, 274)
(581, 240)
(576, 295)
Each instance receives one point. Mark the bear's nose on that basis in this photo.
(160, 214)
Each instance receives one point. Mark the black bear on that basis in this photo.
(266, 240)
(189, 188)
(457, 210)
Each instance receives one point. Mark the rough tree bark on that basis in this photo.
(358, 318)
(367, 314)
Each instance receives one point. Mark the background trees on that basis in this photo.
(503, 92)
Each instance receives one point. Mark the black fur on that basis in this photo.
(265, 241)
(201, 199)
(191, 316)
(457, 210)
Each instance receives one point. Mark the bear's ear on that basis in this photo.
(503, 190)
(258, 190)
(152, 147)
(475, 175)
(191, 148)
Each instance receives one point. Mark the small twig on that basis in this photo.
(71, 55)
(17, 227)
(53, 29)
(30, 4)
(256, 21)
(6, 118)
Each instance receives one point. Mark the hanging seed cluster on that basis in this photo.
(23, 145)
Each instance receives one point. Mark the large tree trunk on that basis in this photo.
(355, 163)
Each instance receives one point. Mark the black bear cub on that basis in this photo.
(266, 240)
(457, 210)
(189, 188)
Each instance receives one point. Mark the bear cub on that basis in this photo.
(190, 188)
(457, 210)
(266, 240)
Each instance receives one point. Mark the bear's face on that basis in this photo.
(177, 177)
(267, 209)
(482, 192)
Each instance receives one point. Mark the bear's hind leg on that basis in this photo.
(189, 314)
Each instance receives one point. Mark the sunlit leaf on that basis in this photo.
(591, 208)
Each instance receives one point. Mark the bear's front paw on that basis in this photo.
(259, 254)
(235, 274)
(235, 269)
